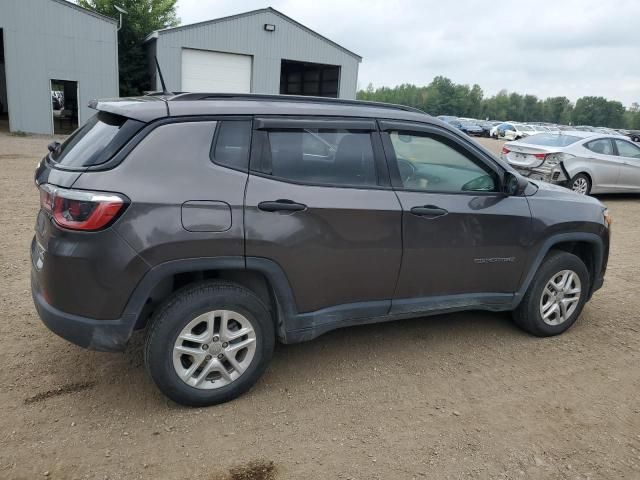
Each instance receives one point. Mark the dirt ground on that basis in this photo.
(458, 396)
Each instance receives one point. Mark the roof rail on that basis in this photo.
(289, 98)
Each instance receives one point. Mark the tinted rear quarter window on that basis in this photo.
(231, 145)
(96, 141)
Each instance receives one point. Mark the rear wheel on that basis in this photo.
(636, 138)
(555, 297)
(581, 184)
(209, 343)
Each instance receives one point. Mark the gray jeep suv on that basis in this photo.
(219, 223)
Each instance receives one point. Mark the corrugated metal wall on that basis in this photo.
(246, 35)
(45, 40)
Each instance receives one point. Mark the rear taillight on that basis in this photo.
(80, 209)
(505, 150)
(540, 156)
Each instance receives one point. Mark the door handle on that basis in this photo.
(281, 205)
(429, 211)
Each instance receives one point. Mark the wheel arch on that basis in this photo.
(263, 277)
(589, 247)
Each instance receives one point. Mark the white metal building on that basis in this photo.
(262, 51)
(54, 58)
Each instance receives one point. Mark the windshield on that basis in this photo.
(96, 141)
(526, 128)
(552, 140)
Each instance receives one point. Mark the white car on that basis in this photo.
(586, 162)
(511, 131)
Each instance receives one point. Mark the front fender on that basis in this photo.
(598, 258)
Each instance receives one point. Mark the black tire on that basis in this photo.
(184, 306)
(636, 138)
(528, 316)
(578, 178)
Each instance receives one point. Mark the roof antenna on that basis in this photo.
(164, 87)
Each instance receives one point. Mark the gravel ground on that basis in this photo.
(457, 396)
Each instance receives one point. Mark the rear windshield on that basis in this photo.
(552, 140)
(96, 141)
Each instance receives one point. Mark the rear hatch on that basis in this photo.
(100, 139)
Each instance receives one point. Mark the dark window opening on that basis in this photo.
(303, 78)
(4, 109)
(97, 141)
(64, 105)
(231, 144)
(322, 157)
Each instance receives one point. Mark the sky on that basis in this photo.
(546, 48)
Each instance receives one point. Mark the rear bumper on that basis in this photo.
(556, 175)
(102, 335)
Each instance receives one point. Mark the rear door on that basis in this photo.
(603, 164)
(319, 204)
(461, 235)
(629, 154)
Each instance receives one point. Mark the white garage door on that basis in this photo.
(216, 72)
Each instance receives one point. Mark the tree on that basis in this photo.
(142, 18)
(444, 97)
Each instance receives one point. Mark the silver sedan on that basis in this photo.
(586, 162)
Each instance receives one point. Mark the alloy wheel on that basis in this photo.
(580, 185)
(214, 349)
(560, 297)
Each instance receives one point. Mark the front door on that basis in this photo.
(319, 204)
(461, 236)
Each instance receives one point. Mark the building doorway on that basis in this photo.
(64, 106)
(4, 104)
(305, 78)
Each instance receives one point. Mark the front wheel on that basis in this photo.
(555, 297)
(581, 184)
(209, 343)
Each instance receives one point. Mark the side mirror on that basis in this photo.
(53, 146)
(513, 185)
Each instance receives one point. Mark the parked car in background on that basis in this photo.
(263, 233)
(539, 128)
(498, 130)
(634, 135)
(519, 131)
(446, 118)
(584, 128)
(467, 127)
(511, 131)
(486, 126)
(586, 162)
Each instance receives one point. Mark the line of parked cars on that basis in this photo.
(516, 130)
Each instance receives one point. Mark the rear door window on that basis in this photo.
(323, 156)
(601, 146)
(96, 141)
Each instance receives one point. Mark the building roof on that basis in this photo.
(155, 34)
(86, 10)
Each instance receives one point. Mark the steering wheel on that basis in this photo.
(407, 170)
